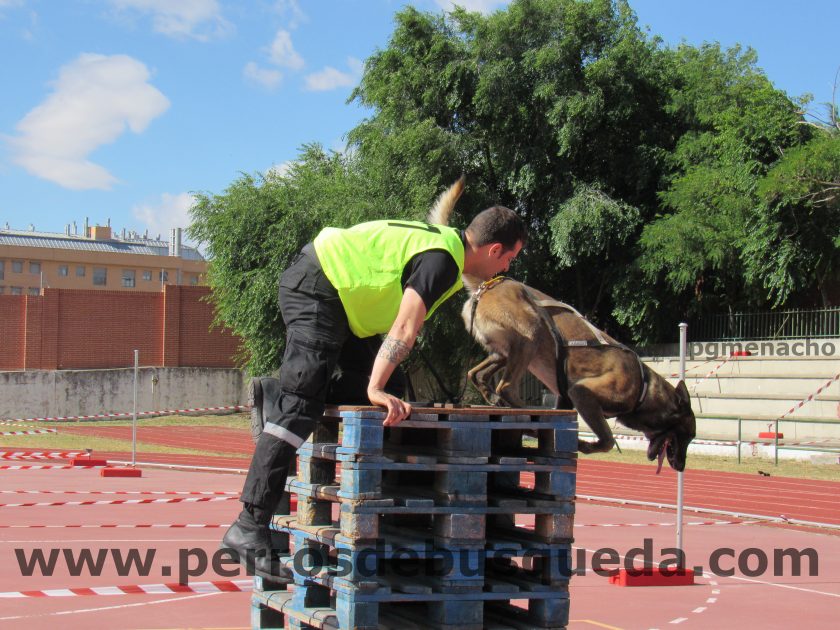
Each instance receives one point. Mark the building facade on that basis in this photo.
(33, 261)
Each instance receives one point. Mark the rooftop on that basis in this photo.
(136, 245)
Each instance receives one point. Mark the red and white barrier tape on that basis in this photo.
(657, 524)
(716, 368)
(221, 586)
(121, 526)
(29, 432)
(118, 502)
(729, 442)
(48, 467)
(157, 492)
(809, 398)
(129, 414)
(696, 367)
(40, 454)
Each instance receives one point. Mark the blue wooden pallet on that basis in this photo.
(426, 534)
(492, 612)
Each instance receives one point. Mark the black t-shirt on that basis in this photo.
(431, 274)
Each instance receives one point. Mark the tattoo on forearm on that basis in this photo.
(394, 350)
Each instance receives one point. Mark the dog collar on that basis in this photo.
(487, 285)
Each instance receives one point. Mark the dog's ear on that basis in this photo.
(682, 394)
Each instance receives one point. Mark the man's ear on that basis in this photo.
(496, 250)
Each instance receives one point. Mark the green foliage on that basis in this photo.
(795, 232)
(253, 230)
(735, 126)
(657, 183)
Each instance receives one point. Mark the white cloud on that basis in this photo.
(262, 76)
(171, 211)
(282, 53)
(95, 98)
(280, 170)
(6, 4)
(197, 19)
(482, 6)
(330, 79)
(293, 10)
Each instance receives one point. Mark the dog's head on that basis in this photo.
(675, 431)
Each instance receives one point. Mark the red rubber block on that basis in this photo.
(85, 461)
(770, 435)
(121, 472)
(652, 577)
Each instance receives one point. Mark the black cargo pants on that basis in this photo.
(323, 362)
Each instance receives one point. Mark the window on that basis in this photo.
(33, 291)
(194, 280)
(128, 278)
(35, 267)
(2, 269)
(100, 276)
(80, 271)
(63, 271)
(147, 275)
(17, 266)
(16, 291)
(2, 289)
(163, 276)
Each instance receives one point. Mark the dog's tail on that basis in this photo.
(441, 211)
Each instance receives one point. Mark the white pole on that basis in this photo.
(134, 414)
(683, 349)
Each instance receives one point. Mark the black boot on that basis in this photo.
(250, 543)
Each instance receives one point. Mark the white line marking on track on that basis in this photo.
(788, 586)
(118, 607)
(678, 620)
(711, 600)
(699, 609)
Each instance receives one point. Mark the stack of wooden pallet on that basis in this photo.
(441, 522)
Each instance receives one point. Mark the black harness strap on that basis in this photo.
(561, 344)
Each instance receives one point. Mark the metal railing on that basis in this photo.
(791, 324)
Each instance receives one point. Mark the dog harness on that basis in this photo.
(561, 356)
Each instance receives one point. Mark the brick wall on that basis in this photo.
(12, 318)
(77, 329)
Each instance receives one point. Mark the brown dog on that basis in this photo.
(519, 326)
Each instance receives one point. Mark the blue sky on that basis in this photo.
(120, 109)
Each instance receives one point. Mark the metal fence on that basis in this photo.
(793, 324)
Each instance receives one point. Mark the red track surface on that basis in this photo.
(732, 602)
(800, 499)
(214, 439)
(738, 601)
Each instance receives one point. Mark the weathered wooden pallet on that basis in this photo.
(415, 526)
(482, 611)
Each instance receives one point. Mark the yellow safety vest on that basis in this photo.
(365, 264)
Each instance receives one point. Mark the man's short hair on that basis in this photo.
(497, 224)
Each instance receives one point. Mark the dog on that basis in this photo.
(526, 330)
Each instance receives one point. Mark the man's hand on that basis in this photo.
(394, 349)
(398, 410)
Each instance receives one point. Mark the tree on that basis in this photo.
(736, 125)
(794, 239)
(253, 230)
(533, 103)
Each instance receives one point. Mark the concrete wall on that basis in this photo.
(50, 393)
